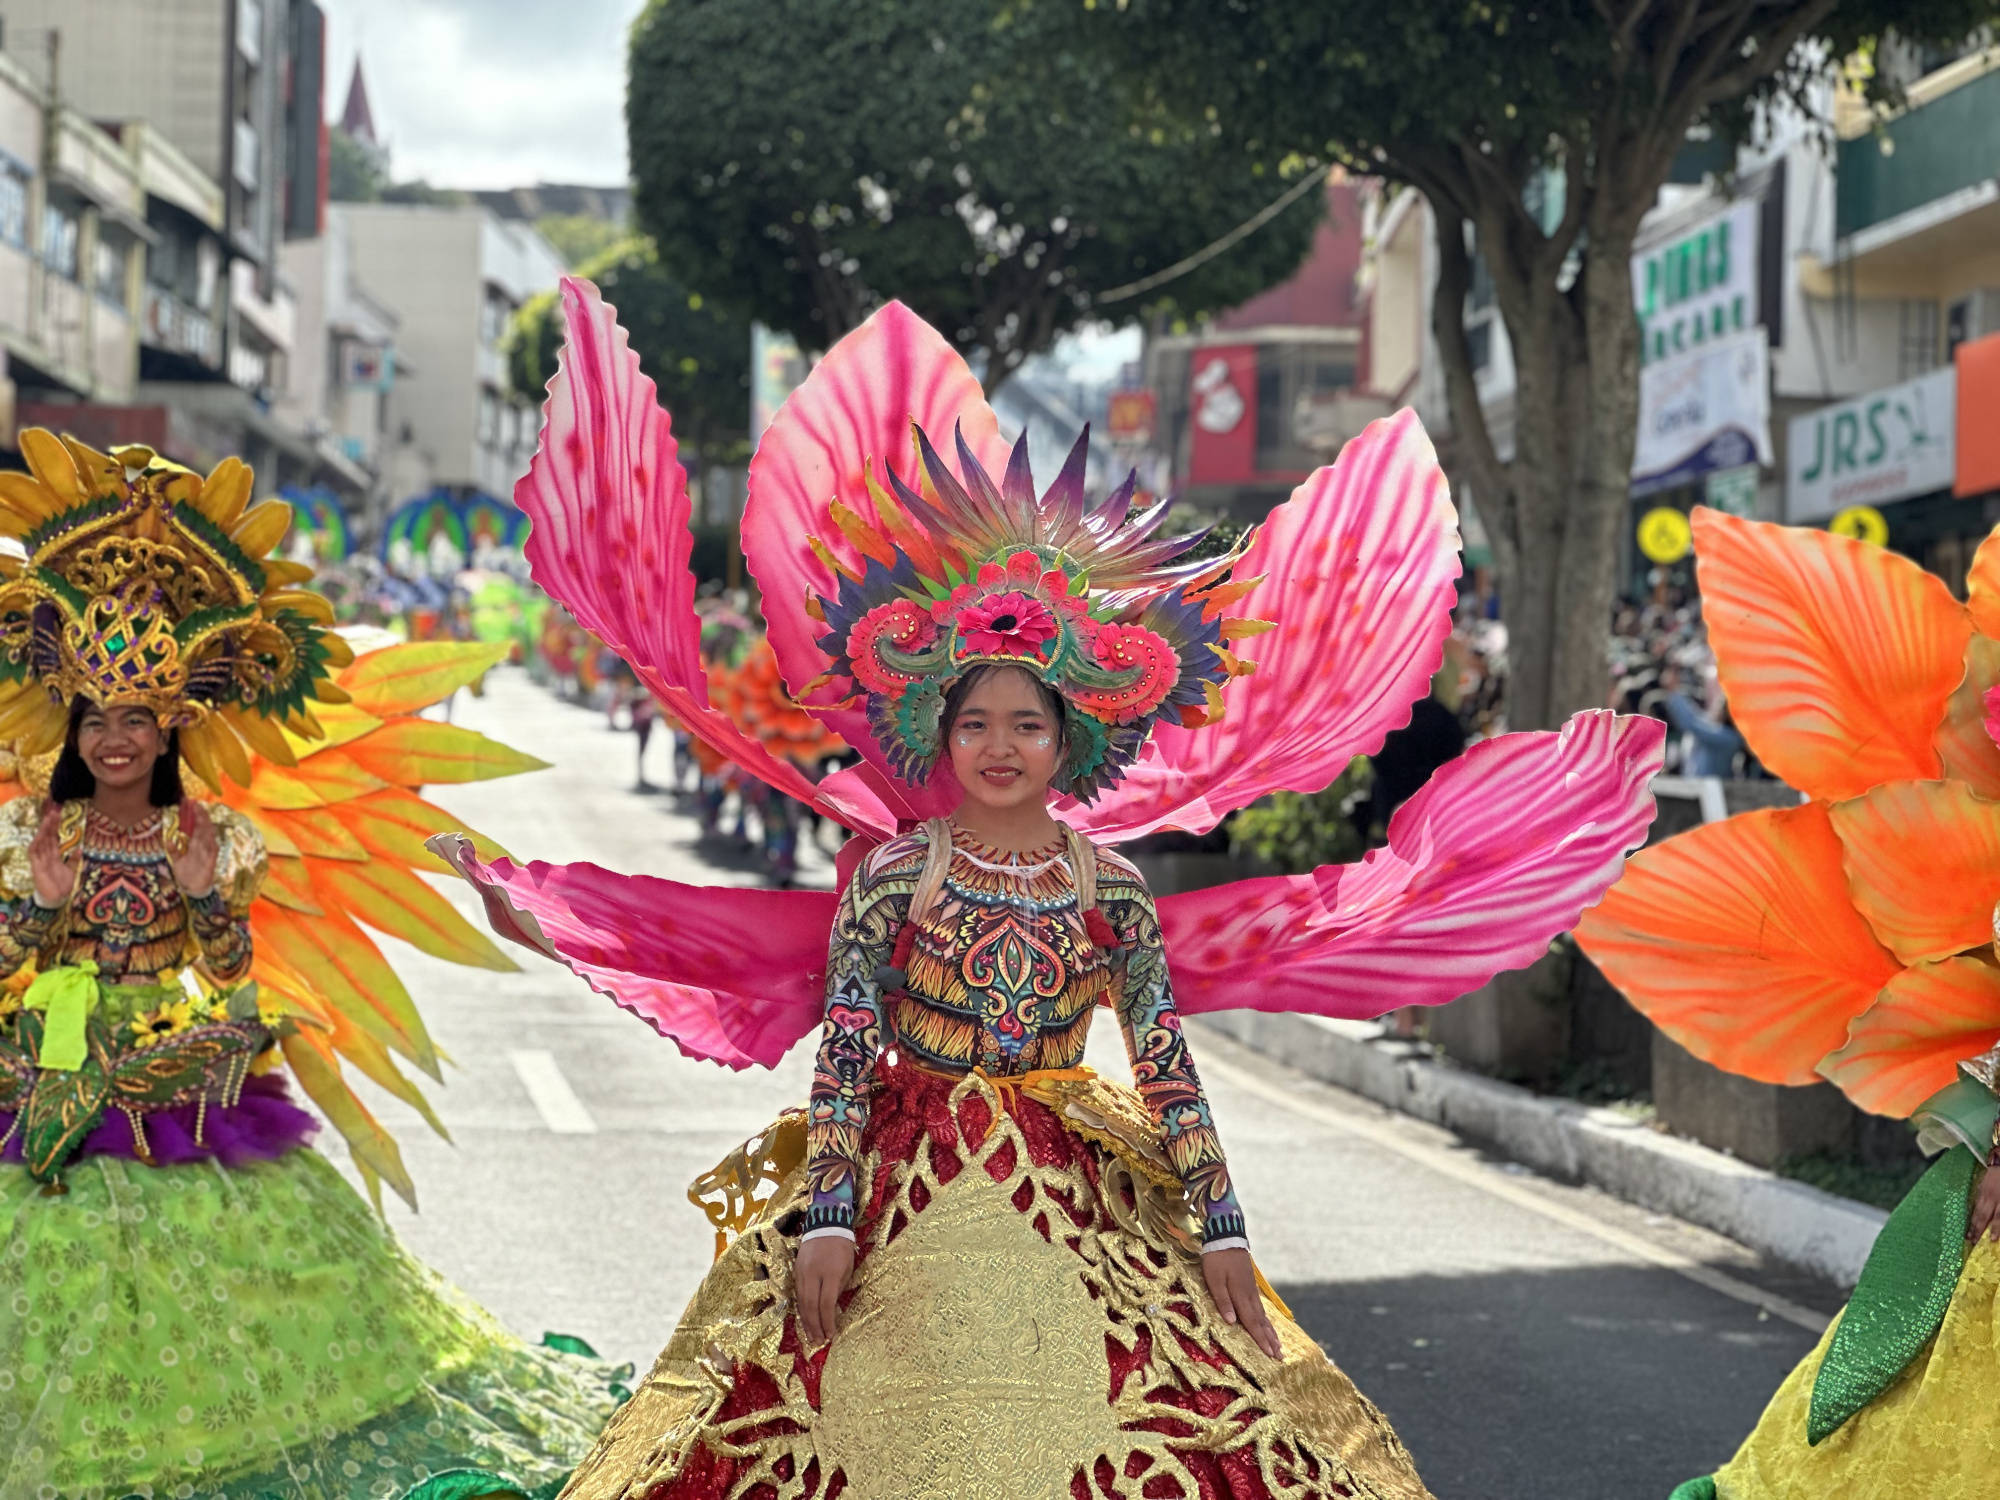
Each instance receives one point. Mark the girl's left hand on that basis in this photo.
(194, 866)
(1232, 1282)
(1984, 1219)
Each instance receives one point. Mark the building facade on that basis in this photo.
(452, 276)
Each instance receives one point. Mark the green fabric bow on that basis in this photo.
(67, 996)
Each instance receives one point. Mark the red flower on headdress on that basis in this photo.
(1123, 648)
(1009, 624)
(902, 623)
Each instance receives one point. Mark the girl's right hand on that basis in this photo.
(820, 1272)
(55, 877)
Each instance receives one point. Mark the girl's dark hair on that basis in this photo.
(71, 780)
(959, 691)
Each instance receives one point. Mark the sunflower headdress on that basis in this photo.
(144, 583)
(969, 572)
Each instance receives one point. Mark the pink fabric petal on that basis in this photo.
(855, 409)
(1359, 568)
(1502, 851)
(735, 976)
(608, 501)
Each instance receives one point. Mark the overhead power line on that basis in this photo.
(1208, 252)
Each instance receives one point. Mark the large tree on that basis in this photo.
(1541, 132)
(697, 353)
(805, 161)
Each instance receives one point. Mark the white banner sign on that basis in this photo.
(1703, 411)
(1698, 287)
(1888, 445)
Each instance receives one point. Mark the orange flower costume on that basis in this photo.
(1850, 938)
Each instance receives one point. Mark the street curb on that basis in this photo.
(1801, 1225)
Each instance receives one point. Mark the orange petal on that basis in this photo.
(403, 679)
(391, 899)
(1738, 940)
(1963, 744)
(1837, 656)
(1923, 865)
(415, 752)
(1908, 1045)
(1982, 586)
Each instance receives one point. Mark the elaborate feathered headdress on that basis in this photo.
(1085, 597)
(144, 583)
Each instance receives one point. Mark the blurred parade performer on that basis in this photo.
(1850, 939)
(971, 1267)
(192, 1301)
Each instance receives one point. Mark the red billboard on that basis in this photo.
(1132, 415)
(1222, 414)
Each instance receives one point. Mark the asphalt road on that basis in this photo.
(1528, 1339)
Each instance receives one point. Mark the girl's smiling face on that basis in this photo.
(119, 744)
(1006, 740)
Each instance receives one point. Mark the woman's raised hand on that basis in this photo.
(55, 877)
(820, 1271)
(194, 866)
(1232, 1282)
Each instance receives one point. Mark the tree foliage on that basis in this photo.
(1540, 131)
(696, 353)
(803, 162)
(580, 237)
(360, 174)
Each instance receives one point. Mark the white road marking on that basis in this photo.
(1447, 1163)
(555, 1101)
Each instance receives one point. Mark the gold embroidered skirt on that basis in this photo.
(1027, 1319)
(1933, 1435)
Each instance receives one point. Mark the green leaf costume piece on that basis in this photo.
(1901, 1298)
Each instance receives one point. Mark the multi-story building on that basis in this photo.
(1255, 399)
(1821, 330)
(453, 277)
(72, 243)
(343, 357)
(219, 103)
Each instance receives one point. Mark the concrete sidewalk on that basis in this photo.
(1627, 1158)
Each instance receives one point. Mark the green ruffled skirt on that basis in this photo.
(256, 1332)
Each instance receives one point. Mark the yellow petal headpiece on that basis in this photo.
(145, 584)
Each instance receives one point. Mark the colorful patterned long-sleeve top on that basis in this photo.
(127, 913)
(1003, 976)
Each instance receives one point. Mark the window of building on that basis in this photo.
(1479, 343)
(109, 272)
(60, 234)
(494, 311)
(489, 417)
(13, 205)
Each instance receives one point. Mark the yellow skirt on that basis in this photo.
(1027, 1321)
(1933, 1435)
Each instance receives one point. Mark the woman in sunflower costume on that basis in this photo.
(971, 1267)
(192, 1301)
(1851, 939)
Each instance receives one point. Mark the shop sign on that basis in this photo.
(1978, 364)
(1703, 411)
(1222, 403)
(1698, 287)
(1131, 416)
(1665, 535)
(1733, 491)
(1888, 445)
(1864, 523)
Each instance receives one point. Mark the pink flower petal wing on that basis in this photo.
(1909, 1043)
(1359, 569)
(1500, 853)
(854, 410)
(735, 976)
(608, 502)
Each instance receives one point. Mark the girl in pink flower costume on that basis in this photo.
(972, 1267)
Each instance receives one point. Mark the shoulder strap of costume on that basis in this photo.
(1083, 865)
(937, 864)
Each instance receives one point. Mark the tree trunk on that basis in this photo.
(1557, 507)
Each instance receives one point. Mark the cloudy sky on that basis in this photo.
(489, 93)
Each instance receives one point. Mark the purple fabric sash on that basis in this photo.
(262, 1126)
